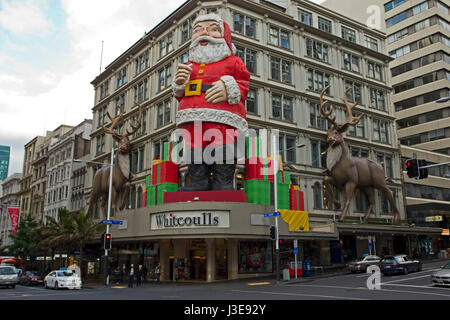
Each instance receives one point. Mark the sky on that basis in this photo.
(50, 52)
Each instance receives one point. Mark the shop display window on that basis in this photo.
(255, 257)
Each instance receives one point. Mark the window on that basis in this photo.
(186, 29)
(137, 160)
(143, 127)
(359, 130)
(163, 113)
(100, 144)
(325, 25)
(400, 52)
(396, 19)
(140, 91)
(282, 107)
(157, 148)
(316, 119)
(436, 134)
(166, 45)
(351, 62)
(184, 58)
(317, 191)
(305, 17)
(317, 50)
(385, 205)
(248, 56)
(287, 148)
(281, 70)
(386, 162)
(121, 77)
(318, 154)
(104, 89)
(348, 34)
(142, 62)
(398, 35)
(251, 103)
(318, 80)
(355, 92)
(101, 116)
(139, 197)
(279, 37)
(371, 43)
(380, 131)
(375, 71)
(420, 8)
(392, 4)
(165, 78)
(378, 99)
(244, 25)
(119, 105)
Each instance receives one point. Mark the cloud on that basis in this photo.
(24, 17)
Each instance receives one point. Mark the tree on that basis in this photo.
(23, 243)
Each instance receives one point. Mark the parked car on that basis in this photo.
(362, 263)
(399, 264)
(30, 278)
(442, 277)
(62, 279)
(8, 276)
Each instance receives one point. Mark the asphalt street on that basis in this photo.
(346, 286)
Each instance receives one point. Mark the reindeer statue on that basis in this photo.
(347, 172)
(121, 173)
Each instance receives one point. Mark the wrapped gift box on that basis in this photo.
(253, 147)
(170, 151)
(151, 196)
(284, 177)
(296, 199)
(164, 172)
(283, 196)
(259, 169)
(144, 198)
(259, 191)
(155, 194)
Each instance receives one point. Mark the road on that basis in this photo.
(414, 286)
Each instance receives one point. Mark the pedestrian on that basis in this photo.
(131, 276)
(123, 272)
(139, 274)
(117, 275)
(157, 272)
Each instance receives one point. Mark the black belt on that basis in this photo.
(205, 87)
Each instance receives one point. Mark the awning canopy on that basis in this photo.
(366, 229)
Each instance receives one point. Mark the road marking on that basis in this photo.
(259, 284)
(428, 286)
(118, 287)
(406, 279)
(300, 294)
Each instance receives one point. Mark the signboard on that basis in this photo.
(434, 219)
(272, 214)
(112, 222)
(14, 215)
(190, 219)
(446, 232)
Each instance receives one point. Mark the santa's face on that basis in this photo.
(208, 44)
(206, 28)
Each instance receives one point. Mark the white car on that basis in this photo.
(8, 276)
(62, 279)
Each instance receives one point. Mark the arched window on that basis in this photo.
(132, 198)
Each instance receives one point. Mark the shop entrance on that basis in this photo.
(221, 263)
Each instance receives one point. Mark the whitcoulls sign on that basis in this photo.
(190, 219)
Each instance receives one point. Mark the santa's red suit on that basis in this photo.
(230, 114)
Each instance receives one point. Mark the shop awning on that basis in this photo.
(366, 229)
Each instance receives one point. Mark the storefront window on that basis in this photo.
(255, 257)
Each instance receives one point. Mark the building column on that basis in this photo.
(164, 247)
(233, 259)
(210, 259)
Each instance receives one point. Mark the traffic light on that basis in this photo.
(272, 233)
(412, 167)
(107, 244)
(102, 241)
(423, 173)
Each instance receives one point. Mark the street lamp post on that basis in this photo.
(275, 198)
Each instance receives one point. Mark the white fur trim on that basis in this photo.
(212, 115)
(234, 93)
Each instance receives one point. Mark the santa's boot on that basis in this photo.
(223, 177)
(199, 174)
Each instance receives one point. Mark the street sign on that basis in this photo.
(295, 250)
(295, 243)
(272, 214)
(112, 222)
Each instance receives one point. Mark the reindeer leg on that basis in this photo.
(391, 200)
(125, 194)
(349, 189)
(330, 183)
(370, 192)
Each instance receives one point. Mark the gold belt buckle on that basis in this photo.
(193, 88)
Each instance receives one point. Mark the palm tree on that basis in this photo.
(84, 228)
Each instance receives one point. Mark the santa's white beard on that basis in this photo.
(215, 50)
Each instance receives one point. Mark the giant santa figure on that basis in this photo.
(211, 89)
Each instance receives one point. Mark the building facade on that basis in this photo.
(62, 155)
(4, 161)
(292, 52)
(9, 199)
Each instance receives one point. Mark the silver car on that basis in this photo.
(442, 277)
(8, 276)
(362, 264)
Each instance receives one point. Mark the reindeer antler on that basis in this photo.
(325, 114)
(114, 122)
(353, 120)
(139, 121)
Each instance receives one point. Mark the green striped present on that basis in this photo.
(151, 196)
(170, 151)
(283, 196)
(258, 191)
(165, 187)
(284, 177)
(253, 147)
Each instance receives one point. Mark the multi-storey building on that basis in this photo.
(9, 199)
(4, 161)
(418, 39)
(62, 154)
(292, 52)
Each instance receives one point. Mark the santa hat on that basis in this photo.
(226, 31)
